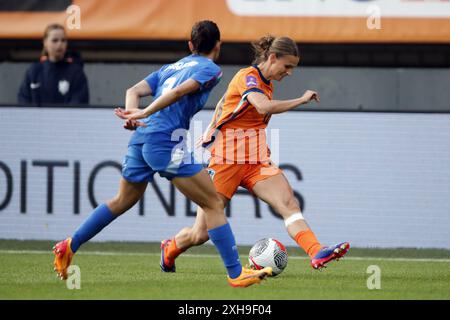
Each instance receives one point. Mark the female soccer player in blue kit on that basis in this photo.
(181, 90)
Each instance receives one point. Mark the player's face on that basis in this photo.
(283, 66)
(56, 44)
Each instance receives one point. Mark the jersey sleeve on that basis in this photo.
(249, 82)
(207, 77)
(153, 79)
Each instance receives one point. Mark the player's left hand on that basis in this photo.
(310, 95)
(133, 114)
(130, 116)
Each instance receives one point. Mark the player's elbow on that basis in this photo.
(132, 92)
(262, 108)
(136, 91)
(178, 93)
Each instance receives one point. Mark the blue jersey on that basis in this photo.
(179, 114)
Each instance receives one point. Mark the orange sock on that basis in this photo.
(308, 241)
(172, 251)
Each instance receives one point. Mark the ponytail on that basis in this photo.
(261, 48)
(267, 45)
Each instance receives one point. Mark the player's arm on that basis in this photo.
(170, 97)
(133, 94)
(217, 111)
(214, 119)
(264, 105)
(163, 101)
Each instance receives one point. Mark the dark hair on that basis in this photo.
(51, 27)
(204, 36)
(281, 46)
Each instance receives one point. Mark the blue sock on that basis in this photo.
(223, 239)
(98, 219)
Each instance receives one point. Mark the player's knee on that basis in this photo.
(119, 204)
(214, 204)
(288, 204)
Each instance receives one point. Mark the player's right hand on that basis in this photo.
(310, 95)
(133, 124)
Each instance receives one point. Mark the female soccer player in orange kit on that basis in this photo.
(242, 115)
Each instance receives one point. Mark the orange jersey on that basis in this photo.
(237, 131)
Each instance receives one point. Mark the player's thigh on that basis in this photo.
(200, 189)
(132, 190)
(276, 191)
(226, 178)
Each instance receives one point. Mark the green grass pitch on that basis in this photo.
(131, 271)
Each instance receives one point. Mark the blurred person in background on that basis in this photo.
(58, 78)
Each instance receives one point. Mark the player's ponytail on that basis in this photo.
(262, 47)
(267, 45)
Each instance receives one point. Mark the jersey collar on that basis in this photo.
(261, 75)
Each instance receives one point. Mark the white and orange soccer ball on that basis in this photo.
(268, 252)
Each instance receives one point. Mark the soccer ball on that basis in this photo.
(268, 252)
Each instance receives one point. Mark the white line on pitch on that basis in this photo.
(112, 253)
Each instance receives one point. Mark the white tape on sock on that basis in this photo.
(294, 217)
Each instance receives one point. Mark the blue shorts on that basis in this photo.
(170, 159)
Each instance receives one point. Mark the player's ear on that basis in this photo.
(217, 49)
(191, 46)
(272, 58)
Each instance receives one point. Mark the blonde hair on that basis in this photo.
(48, 29)
(281, 46)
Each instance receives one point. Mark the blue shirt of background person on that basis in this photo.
(58, 78)
(179, 114)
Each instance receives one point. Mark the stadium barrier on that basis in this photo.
(374, 179)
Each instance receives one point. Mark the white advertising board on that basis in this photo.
(341, 8)
(373, 179)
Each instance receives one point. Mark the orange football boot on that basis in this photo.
(63, 256)
(249, 277)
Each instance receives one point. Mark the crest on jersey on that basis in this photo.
(63, 87)
(251, 81)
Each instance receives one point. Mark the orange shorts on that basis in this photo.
(228, 177)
